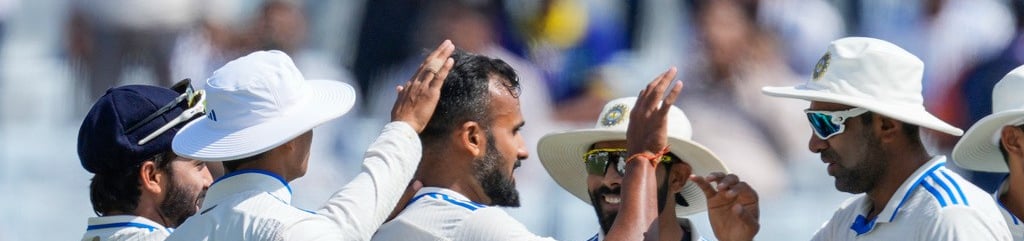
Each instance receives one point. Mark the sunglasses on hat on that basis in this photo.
(195, 101)
(827, 124)
(597, 160)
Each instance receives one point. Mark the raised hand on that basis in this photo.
(732, 209)
(648, 121)
(417, 99)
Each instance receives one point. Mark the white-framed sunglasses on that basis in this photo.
(195, 101)
(827, 124)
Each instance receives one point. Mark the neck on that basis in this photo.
(267, 164)
(1013, 199)
(452, 174)
(899, 167)
(149, 209)
(668, 226)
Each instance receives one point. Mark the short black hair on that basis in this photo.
(230, 166)
(465, 96)
(118, 190)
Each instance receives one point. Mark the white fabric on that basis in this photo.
(1015, 224)
(442, 214)
(683, 222)
(979, 149)
(124, 228)
(873, 74)
(257, 206)
(562, 153)
(258, 102)
(932, 204)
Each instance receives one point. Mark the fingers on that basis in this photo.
(438, 80)
(704, 186)
(677, 86)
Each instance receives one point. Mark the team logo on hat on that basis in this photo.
(821, 66)
(614, 116)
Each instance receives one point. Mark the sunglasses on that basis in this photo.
(597, 160)
(827, 124)
(195, 101)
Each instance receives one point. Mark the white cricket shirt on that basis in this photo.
(256, 204)
(442, 214)
(934, 203)
(683, 222)
(124, 228)
(1015, 224)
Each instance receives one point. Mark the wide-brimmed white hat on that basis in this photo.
(979, 149)
(562, 153)
(256, 103)
(872, 74)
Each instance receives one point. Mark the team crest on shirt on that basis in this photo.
(821, 66)
(614, 116)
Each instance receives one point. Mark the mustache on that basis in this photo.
(829, 156)
(606, 190)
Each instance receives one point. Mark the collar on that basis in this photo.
(930, 169)
(118, 221)
(247, 180)
(447, 195)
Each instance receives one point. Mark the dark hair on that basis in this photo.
(465, 95)
(230, 166)
(118, 190)
(911, 131)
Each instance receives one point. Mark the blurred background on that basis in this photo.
(58, 56)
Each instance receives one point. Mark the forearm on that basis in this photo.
(639, 202)
(363, 204)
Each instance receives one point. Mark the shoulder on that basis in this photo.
(492, 223)
(841, 220)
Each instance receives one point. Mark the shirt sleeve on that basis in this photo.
(362, 205)
(494, 224)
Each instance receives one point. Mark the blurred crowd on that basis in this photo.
(572, 56)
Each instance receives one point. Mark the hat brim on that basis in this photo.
(200, 140)
(562, 156)
(913, 114)
(976, 151)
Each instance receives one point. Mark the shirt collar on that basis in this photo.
(248, 180)
(113, 221)
(901, 195)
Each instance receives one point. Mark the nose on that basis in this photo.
(207, 178)
(521, 151)
(611, 176)
(817, 145)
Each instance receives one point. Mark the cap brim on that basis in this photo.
(562, 156)
(913, 114)
(976, 151)
(200, 140)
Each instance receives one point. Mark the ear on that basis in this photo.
(1011, 140)
(887, 129)
(150, 177)
(680, 174)
(472, 138)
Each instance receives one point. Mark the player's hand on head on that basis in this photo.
(733, 208)
(418, 97)
(648, 121)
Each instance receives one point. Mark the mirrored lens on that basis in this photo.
(822, 124)
(597, 162)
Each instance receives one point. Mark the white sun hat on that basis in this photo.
(256, 103)
(562, 153)
(872, 74)
(979, 149)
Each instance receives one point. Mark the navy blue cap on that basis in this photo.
(104, 145)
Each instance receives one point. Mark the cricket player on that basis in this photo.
(996, 144)
(261, 112)
(866, 110)
(141, 190)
